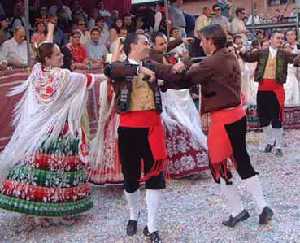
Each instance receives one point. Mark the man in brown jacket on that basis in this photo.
(220, 79)
(271, 73)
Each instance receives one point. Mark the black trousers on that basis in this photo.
(237, 136)
(268, 109)
(134, 147)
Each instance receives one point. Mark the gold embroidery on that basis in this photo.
(270, 70)
(142, 96)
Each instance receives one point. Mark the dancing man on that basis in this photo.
(140, 136)
(220, 79)
(271, 74)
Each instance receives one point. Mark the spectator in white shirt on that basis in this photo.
(100, 23)
(85, 35)
(96, 50)
(238, 26)
(254, 19)
(15, 49)
(202, 20)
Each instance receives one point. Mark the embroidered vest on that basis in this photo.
(142, 96)
(270, 69)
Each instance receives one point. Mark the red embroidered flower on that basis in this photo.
(49, 90)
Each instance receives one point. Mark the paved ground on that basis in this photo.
(191, 210)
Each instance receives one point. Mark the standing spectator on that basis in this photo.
(4, 33)
(15, 49)
(177, 16)
(96, 50)
(40, 34)
(254, 19)
(202, 20)
(238, 25)
(84, 34)
(79, 53)
(225, 6)
(128, 23)
(59, 37)
(219, 18)
(157, 18)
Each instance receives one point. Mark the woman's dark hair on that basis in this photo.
(216, 33)
(116, 28)
(43, 23)
(43, 51)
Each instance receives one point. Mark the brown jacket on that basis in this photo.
(219, 76)
(283, 58)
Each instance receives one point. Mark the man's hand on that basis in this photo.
(149, 73)
(178, 67)
(188, 40)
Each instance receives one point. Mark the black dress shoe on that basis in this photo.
(154, 237)
(278, 152)
(232, 221)
(266, 215)
(146, 232)
(131, 227)
(268, 148)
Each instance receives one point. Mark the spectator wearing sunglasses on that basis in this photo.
(219, 18)
(85, 35)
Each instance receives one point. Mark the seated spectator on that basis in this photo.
(78, 11)
(92, 21)
(59, 37)
(96, 50)
(100, 24)
(128, 23)
(15, 49)
(85, 35)
(43, 14)
(123, 32)
(140, 23)
(62, 10)
(79, 53)
(114, 34)
(119, 23)
(4, 33)
(19, 18)
(102, 11)
(175, 34)
(40, 34)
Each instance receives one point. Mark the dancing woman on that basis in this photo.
(43, 165)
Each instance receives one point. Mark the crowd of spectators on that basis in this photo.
(87, 37)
